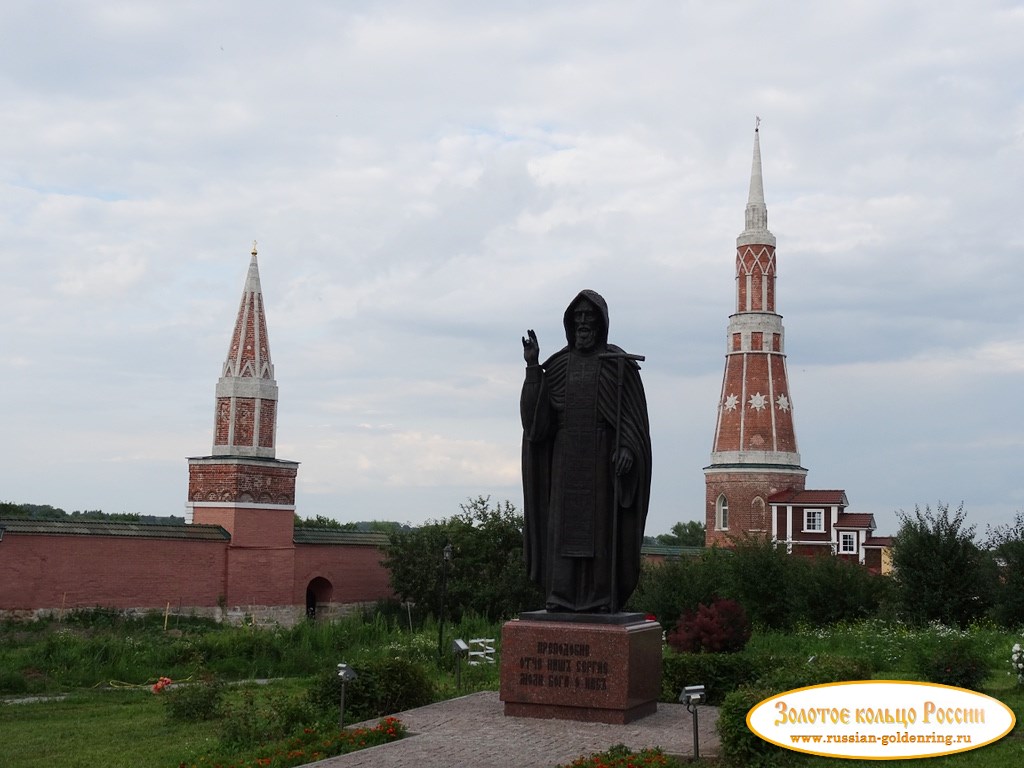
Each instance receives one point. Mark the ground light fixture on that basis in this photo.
(691, 696)
(461, 650)
(347, 675)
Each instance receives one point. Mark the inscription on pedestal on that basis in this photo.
(600, 673)
(558, 665)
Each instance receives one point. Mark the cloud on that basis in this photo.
(426, 181)
(104, 274)
(404, 459)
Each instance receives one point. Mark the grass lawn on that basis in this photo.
(113, 729)
(130, 728)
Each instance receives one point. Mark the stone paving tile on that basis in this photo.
(473, 731)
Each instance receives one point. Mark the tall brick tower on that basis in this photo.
(241, 485)
(754, 453)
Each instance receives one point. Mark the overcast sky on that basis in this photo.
(427, 180)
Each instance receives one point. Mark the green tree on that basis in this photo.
(486, 574)
(765, 581)
(830, 589)
(1006, 542)
(675, 587)
(382, 526)
(940, 572)
(688, 534)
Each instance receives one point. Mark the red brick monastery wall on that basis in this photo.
(112, 572)
(355, 573)
(46, 572)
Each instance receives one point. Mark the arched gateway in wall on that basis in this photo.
(318, 594)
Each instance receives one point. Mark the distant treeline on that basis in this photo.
(46, 512)
(377, 526)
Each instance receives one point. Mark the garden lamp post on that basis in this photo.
(446, 557)
(691, 696)
(347, 675)
(461, 650)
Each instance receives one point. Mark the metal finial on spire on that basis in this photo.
(757, 123)
(253, 247)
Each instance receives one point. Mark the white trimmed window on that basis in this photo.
(847, 543)
(814, 520)
(722, 513)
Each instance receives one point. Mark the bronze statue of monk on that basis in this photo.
(586, 464)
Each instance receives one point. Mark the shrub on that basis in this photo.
(669, 589)
(1007, 543)
(721, 627)
(940, 572)
(486, 573)
(723, 673)
(311, 744)
(956, 662)
(383, 687)
(739, 745)
(829, 589)
(787, 673)
(720, 673)
(261, 716)
(12, 682)
(621, 756)
(778, 591)
(193, 703)
(763, 578)
(391, 685)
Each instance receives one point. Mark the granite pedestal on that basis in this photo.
(596, 668)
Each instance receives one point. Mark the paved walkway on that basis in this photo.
(473, 731)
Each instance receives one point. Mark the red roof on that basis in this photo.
(878, 541)
(856, 520)
(810, 498)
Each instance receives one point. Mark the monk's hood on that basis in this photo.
(570, 325)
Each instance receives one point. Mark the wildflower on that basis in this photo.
(1017, 661)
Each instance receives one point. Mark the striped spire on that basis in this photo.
(754, 453)
(246, 418)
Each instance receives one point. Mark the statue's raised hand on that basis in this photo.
(531, 349)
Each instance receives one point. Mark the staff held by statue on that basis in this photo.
(620, 359)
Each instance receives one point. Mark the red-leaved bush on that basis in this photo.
(721, 627)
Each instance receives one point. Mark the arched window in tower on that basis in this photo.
(722, 513)
(758, 522)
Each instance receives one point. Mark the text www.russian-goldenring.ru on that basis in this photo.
(885, 739)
